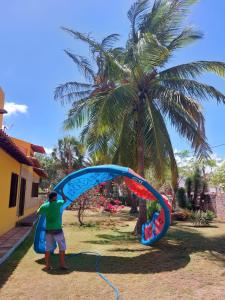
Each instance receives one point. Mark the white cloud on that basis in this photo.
(48, 150)
(13, 108)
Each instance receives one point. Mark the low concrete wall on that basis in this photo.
(218, 201)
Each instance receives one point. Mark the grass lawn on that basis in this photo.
(187, 264)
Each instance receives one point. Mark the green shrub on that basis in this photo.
(201, 218)
(152, 206)
(181, 198)
(210, 215)
(189, 206)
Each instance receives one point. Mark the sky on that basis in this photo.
(33, 64)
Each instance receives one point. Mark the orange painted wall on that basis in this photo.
(24, 146)
(8, 216)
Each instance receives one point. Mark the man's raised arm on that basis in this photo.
(63, 196)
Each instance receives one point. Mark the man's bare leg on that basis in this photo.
(62, 260)
(47, 260)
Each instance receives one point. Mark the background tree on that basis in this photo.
(50, 166)
(217, 179)
(95, 200)
(189, 188)
(69, 155)
(197, 186)
(181, 197)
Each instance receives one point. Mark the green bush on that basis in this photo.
(189, 206)
(201, 218)
(152, 206)
(181, 198)
(210, 215)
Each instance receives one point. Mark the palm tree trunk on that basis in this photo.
(140, 153)
(142, 218)
(70, 162)
(134, 205)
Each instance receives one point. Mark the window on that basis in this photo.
(35, 187)
(22, 196)
(13, 190)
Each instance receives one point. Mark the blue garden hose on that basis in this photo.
(97, 270)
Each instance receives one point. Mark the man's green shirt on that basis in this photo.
(52, 212)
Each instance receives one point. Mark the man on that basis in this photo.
(54, 233)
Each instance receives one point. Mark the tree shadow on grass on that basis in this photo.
(190, 225)
(171, 253)
(8, 267)
(153, 262)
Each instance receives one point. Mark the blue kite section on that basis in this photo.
(77, 183)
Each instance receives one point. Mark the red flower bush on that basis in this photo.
(94, 200)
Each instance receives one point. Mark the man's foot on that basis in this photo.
(48, 268)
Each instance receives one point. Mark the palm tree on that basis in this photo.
(69, 154)
(132, 96)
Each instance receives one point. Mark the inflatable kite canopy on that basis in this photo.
(77, 183)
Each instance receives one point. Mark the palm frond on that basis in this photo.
(170, 97)
(86, 38)
(151, 53)
(194, 89)
(136, 14)
(75, 96)
(186, 37)
(102, 49)
(117, 102)
(83, 111)
(69, 88)
(125, 143)
(108, 42)
(76, 116)
(165, 19)
(83, 65)
(158, 142)
(98, 141)
(121, 68)
(194, 69)
(186, 117)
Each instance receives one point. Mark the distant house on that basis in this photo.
(20, 174)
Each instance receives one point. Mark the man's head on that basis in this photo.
(52, 196)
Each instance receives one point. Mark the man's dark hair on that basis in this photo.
(52, 195)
